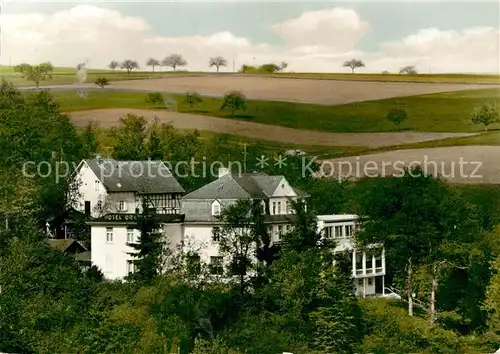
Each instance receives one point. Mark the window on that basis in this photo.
(130, 235)
(279, 208)
(368, 262)
(288, 207)
(360, 282)
(99, 205)
(216, 265)
(130, 267)
(216, 234)
(349, 230)
(339, 231)
(370, 281)
(359, 262)
(328, 231)
(263, 207)
(274, 208)
(96, 185)
(215, 208)
(280, 231)
(378, 261)
(109, 234)
(122, 205)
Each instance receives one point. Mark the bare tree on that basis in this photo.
(283, 66)
(217, 62)
(174, 60)
(113, 65)
(153, 62)
(354, 64)
(129, 65)
(409, 70)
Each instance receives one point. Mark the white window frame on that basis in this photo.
(130, 267)
(279, 208)
(109, 235)
(288, 207)
(341, 228)
(220, 260)
(274, 208)
(280, 231)
(349, 230)
(216, 208)
(131, 235)
(122, 203)
(216, 234)
(97, 185)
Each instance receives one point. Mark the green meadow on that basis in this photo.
(443, 112)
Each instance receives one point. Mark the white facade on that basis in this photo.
(111, 253)
(93, 194)
(97, 200)
(91, 191)
(368, 266)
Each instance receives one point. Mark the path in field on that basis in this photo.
(327, 92)
(459, 164)
(110, 117)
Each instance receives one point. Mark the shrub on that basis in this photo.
(101, 82)
(270, 68)
(397, 115)
(192, 99)
(154, 98)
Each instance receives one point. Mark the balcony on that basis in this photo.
(368, 272)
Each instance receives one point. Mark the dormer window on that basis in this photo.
(215, 208)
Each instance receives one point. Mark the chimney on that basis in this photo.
(223, 171)
(98, 158)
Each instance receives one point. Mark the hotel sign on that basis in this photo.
(119, 217)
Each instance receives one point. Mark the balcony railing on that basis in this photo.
(370, 271)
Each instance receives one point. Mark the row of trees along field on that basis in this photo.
(441, 249)
(354, 64)
(175, 61)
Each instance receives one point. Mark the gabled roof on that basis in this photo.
(145, 177)
(244, 186)
(68, 244)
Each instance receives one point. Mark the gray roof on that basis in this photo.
(146, 177)
(244, 186)
(201, 209)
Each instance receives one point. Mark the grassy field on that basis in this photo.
(444, 112)
(62, 75)
(441, 78)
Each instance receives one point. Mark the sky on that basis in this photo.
(435, 37)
